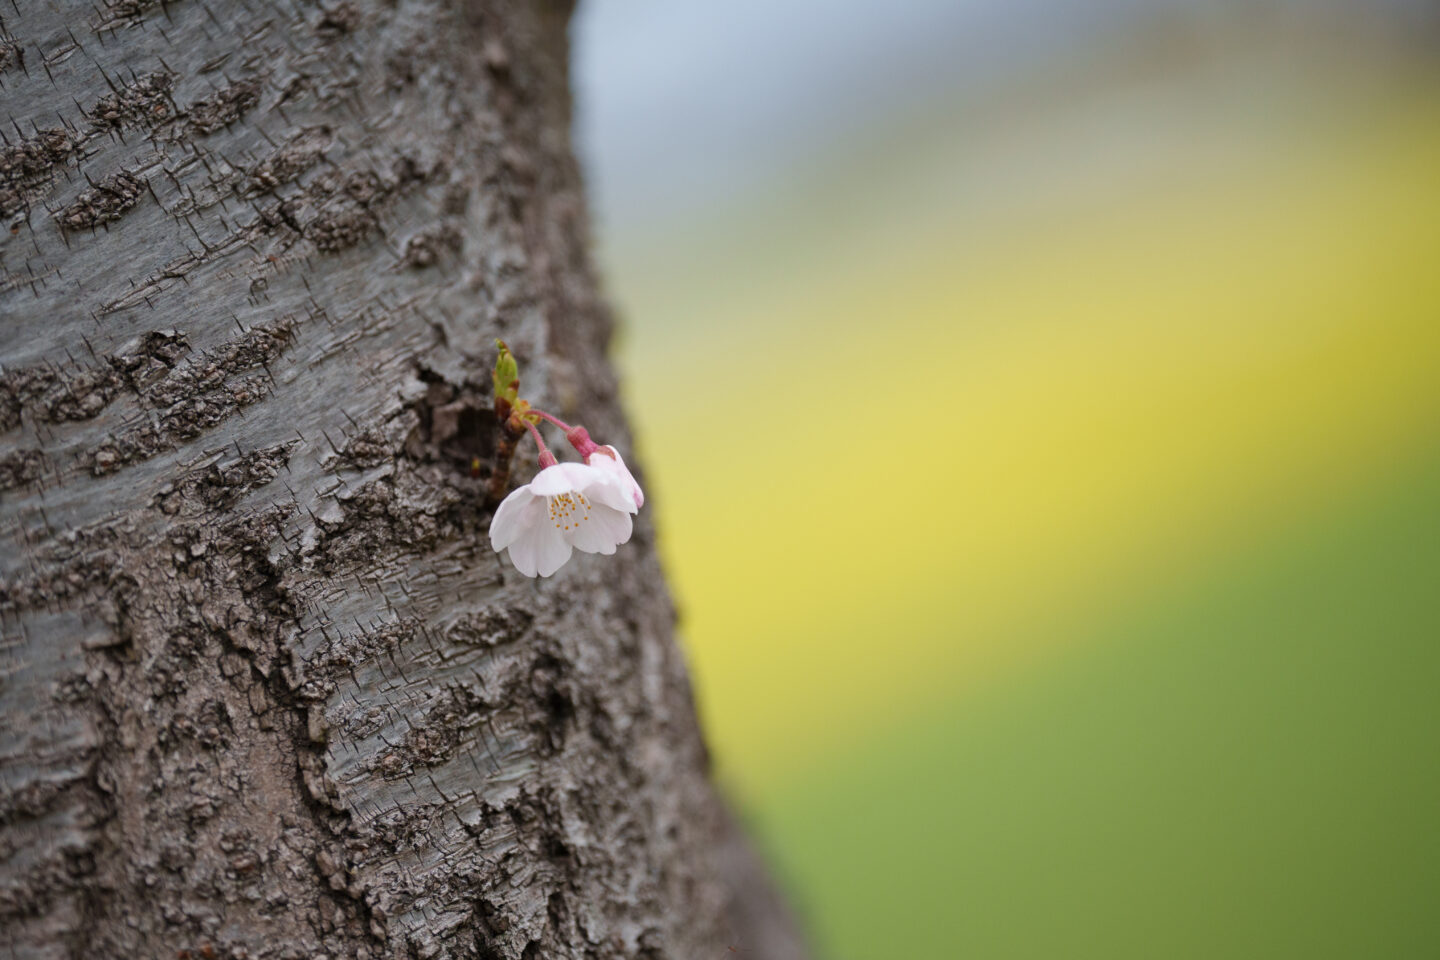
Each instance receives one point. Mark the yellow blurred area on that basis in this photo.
(887, 472)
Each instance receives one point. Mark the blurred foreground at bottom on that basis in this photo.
(1248, 769)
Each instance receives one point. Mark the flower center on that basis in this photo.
(569, 510)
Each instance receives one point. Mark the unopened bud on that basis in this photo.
(506, 377)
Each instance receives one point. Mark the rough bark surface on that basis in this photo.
(265, 691)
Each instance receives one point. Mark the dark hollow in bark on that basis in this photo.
(265, 691)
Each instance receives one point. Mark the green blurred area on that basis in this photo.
(1249, 769)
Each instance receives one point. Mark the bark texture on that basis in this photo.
(265, 691)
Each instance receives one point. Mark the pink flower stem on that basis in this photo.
(579, 437)
(547, 459)
(555, 420)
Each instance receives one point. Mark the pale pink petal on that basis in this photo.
(610, 494)
(616, 523)
(517, 512)
(523, 553)
(601, 529)
(589, 538)
(562, 478)
(552, 552)
(614, 467)
(541, 550)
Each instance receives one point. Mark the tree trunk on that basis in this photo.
(265, 690)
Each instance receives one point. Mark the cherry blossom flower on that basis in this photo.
(608, 459)
(567, 506)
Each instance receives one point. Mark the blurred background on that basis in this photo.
(1041, 405)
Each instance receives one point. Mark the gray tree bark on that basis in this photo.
(265, 691)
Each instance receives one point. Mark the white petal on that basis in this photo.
(562, 478)
(611, 495)
(610, 490)
(552, 553)
(589, 538)
(523, 551)
(541, 550)
(614, 467)
(630, 482)
(513, 517)
(616, 523)
(601, 530)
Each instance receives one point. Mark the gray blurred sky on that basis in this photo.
(685, 105)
